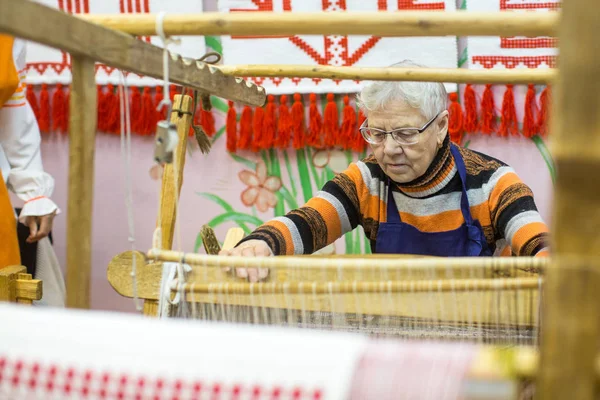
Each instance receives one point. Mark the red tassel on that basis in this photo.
(331, 122)
(32, 100)
(529, 125)
(488, 112)
(146, 119)
(509, 124)
(113, 104)
(349, 127)
(298, 122)
(66, 109)
(455, 120)
(102, 111)
(284, 125)
(542, 121)
(245, 138)
(172, 93)
(135, 110)
(161, 114)
(44, 120)
(315, 123)
(231, 128)
(470, 109)
(207, 120)
(359, 144)
(58, 110)
(269, 128)
(257, 128)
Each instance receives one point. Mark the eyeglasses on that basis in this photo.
(403, 136)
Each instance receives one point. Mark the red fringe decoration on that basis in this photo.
(147, 118)
(44, 120)
(207, 120)
(172, 93)
(298, 122)
(257, 128)
(349, 128)
(488, 108)
(113, 124)
(284, 126)
(315, 123)
(245, 138)
(32, 100)
(331, 122)
(455, 120)
(161, 114)
(529, 125)
(470, 109)
(269, 127)
(231, 128)
(59, 110)
(135, 109)
(509, 123)
(359, 144)
(102, 109)
(542, 121)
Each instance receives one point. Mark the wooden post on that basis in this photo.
(570, 318)
(82, 135)
(182, 118)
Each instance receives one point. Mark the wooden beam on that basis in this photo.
(82, 137)
(54, 28)
(456, 75)
(405, 23)
(28, 289)
(570, 314)
(8, 282)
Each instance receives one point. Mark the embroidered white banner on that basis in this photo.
(51, 66)
(364, 51)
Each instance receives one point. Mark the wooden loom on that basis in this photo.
(570, 321)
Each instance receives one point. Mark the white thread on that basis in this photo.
(126, 158)
(166, 101)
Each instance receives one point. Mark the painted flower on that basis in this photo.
(335, 159)
(261, 188)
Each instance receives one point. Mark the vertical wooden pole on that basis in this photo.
(570, 318)
(182, 118)
(82, 135)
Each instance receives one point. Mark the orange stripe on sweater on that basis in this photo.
(525, 233)
(287, 235)
(447, 220)
(503, 183)
(330, 215)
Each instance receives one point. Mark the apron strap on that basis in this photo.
(462, 173)
(393, 215)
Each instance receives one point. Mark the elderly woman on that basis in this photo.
(417, 193)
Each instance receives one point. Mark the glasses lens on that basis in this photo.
(406, 136)
(372, 136)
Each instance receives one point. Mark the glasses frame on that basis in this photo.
(363, 126)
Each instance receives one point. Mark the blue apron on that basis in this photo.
(397, 237)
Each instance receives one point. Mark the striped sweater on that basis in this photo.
(501, 202)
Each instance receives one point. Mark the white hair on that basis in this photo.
(430, 98)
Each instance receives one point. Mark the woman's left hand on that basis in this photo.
(39, 226)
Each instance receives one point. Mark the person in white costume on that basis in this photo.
(23, 172)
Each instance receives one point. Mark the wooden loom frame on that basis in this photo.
(568, 349)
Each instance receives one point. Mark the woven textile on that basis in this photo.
(51, 66)
(335, 50)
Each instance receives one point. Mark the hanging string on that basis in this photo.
(126, 159)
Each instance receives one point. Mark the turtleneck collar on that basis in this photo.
(441, 170)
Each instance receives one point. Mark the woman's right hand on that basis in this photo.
(251, 248)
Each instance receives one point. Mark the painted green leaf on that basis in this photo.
(275, 170)
(305, 182)
(464, 57)
(541, 146)
(236, 217)
(466, 145)
(219, 200)
(214, 43)
(242, 160)
(290, 175)
(217, 135)
(289, 198)
(219, 104)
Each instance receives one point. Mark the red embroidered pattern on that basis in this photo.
(33, 380)
(528, 43)
(511, 62)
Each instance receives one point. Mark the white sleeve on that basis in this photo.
(20, 141)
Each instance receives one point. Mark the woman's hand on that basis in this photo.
(39, 227)
(251, 248)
